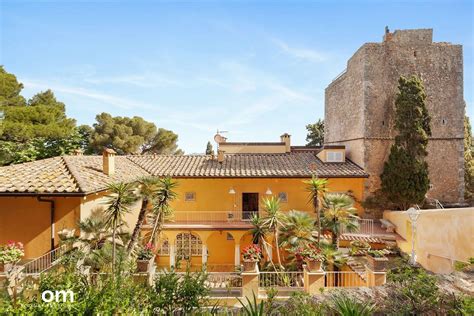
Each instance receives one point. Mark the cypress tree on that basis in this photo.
(209, 149)
(405, 178)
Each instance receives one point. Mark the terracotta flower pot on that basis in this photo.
(142, 265)
(250, 266)
(377, 263)
(313, 265)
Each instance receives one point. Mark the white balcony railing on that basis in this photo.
(209, 216)
(366, 227)
(46, 261)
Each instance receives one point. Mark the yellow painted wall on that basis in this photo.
(440, 233)
(98, 203)
(213, 194)
(26, 220)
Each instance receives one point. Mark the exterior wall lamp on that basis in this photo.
(413, 214)
(268, 192)
(231, 191)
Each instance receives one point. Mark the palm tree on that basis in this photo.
(163, 196)
(147, 188)
(339, 213)
(298, 230)
(316, 187)
(120, 200)
(274, 220)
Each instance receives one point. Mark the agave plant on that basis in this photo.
(252, 308)
(345, 305)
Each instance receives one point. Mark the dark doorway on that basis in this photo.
(249, 205)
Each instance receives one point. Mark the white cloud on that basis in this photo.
(119, 102)
(145, 81)
(300, 53)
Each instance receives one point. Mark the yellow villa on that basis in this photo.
(217, 195)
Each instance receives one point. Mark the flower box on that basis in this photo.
(377, 263)
(250, 266)
(142, 265)
(314, 265)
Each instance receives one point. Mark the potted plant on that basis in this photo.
(357, 245)
(313, 257)
(376, 260)
(144, 257)
(251, 255)
(10, 254)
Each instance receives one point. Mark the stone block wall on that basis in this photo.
(359, 106)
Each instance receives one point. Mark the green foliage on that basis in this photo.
(175, 292)
(10, 90)
(468, 161)
(209, 149)
(412, 290)
(315, 136)
(316, 187)
(344, 305)
(298, 230)
(131, 135)
(301, 304)
(339, 214)
(252, 308)
(405, 175)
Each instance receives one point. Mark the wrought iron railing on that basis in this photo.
(281, 279)
(46, 261)
(344, 279)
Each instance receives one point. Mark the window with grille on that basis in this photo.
(334, 156)
(188, 245)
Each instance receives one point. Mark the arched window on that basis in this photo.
(188, 245)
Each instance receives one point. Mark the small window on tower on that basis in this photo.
(444, 121)
(414, 53)
(383, 123)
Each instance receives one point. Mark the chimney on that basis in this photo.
(220, 155)
(285, 138)
(77, 152)
(108, 160)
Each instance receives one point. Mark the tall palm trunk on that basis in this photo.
(277, 247)
(113, 248)
(156, 227)
(138, 226)
(318, 216)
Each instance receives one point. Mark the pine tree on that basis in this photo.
(209, 149)
(405, 178)
(315, 136)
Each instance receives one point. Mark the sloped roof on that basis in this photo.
(294, 164)
(47, 175)
(83, 174)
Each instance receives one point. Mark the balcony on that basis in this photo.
(208, 220)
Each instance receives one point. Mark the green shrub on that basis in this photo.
(344, 305)
(301, 304)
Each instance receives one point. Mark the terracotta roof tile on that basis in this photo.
(295, 164)
(45, 176)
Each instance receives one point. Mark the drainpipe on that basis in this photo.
(52, 209)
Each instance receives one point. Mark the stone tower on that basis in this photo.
(359, 107)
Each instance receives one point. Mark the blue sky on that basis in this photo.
(256, 69)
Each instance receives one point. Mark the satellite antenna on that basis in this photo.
(219, 138)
